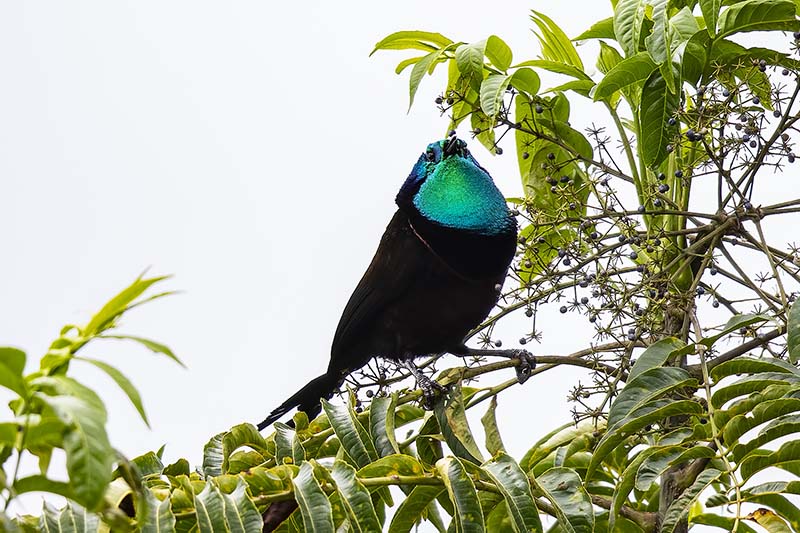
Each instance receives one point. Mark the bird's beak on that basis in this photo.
(451, 146)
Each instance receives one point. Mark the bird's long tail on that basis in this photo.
(306, 399)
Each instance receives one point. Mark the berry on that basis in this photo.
(523, 340)
(700, 291)
(785, 72)
(450, 101)
(538, 109)
(657, 202)
(663, 188)
(529, 313)
(566, 261)
(715, 304)
(678, 173)
(498, 150)
(713, 271)
(726, 93)
(753, 144)
(756, 100)
(563, 309)
(525, 155)
(790, 158)
(593, 319)
(661, 176)
(564, 179)
(640, 209)
(672, 121)
(594, 235)
(498, 343)
(439, 100)
(585, 300)
(551, 156)
(633, 255)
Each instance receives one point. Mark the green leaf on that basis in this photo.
(655, 356)
(526, 80)
(492, 91)
(349, 430)
(573, 139)
(120, 303)
(210, 510)
(469, 59)
(658, 105)
(516, 490)
(608, 58)
(651, 413)
(647, 387)
(288, 445)
(123, 383)
(710, 10)
(788, 453)
(39, 483)
(572, 504)
(392, 465)
(421, 67)
(769, 521)
(722, 522)
(736, 322)
(555, 439)
(153, 515)
(680, 507)
(412, 510)
(213, 456)
(494, 443)
(454, 425)
(355, 498)
(12, 365)
(72, 518)
(555, 44)
(412, 40)
(628, 20)
(241, 513)
(498, 52)
(314, 504)
(603, 29)
(461, 490)
(659, 42)
(793, 333)
(153, 346)
(85, 442)
(657, 463)
(750, 384)
(381, 424)
(758, 15)
(245, 435)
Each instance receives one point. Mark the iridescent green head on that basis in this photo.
(447, 186)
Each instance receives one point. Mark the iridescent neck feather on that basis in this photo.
(459, 194)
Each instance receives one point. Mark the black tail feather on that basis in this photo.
(306, 399)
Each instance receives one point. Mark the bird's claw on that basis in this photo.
(431, 391)
(527, 362)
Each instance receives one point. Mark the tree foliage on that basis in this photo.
(654, 232)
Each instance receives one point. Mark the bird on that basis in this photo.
(437, 274)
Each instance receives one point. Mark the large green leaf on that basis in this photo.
(244, 435)
(723, 522)
(72, 518)
(154, 515)
(421, 67)
(710, 10)
(104, 319)
(557, 67)
(89, 453)
(655, 356)
(241, 513)
(351, 434)
(659, 42)
(213, 456)
(412, 510)
(153, 346)
(555, 44)
(628, 19)
(498, 52)
(603, 29)
(494, 443)
(123, 383)
(455, 426)
(631, 71)
(355, 498)
(647, 387)
(793, 333)
(749, 384)
(787, 456)
(573, 505)
(314, 504)
(735, 323)
(12, 365)
(516, 490)
(758, 15)
(461, 489)
(492, 91)
(469, 58)
(381, 424)
(416, 40)
(680, 507)
(658, 106)
(210, 509)
(287, 445)
(526, 80)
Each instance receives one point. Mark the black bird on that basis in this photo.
(436, 275)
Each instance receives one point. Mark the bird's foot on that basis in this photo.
(527, 361)
(431, 390)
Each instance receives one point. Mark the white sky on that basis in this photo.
(253, 149)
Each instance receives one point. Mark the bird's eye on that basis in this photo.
(429, 155)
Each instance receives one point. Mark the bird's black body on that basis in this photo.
(427, 286)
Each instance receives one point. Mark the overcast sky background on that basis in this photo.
(253, 150)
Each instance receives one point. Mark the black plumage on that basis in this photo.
(427, 286)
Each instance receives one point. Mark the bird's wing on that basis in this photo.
(390, 274)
